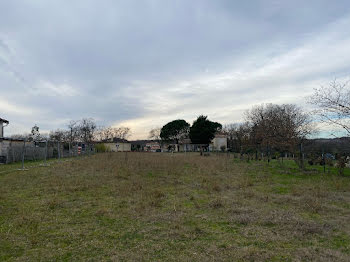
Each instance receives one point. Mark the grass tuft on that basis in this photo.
(173, 207)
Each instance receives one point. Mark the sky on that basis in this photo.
(142, 64)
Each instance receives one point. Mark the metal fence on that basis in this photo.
(17, 151)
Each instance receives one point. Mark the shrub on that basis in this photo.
(341, 163)
(101, 148)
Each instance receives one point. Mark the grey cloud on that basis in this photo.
(124, 60)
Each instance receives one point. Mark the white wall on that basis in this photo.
(1, 129)
(218, 142)
(118, 147)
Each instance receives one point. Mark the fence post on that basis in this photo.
(7, 155)
(23, 152)
(324, 161)
(302, 156)
(13, 154)
(33, 152)
(58, 150)
(45, 151)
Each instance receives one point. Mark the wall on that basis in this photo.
(12, 150)
(118, 147)
(218, 142)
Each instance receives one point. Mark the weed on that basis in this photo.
(174, 207)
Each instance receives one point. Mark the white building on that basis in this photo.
(219, 143)
(117, 145)
(2, 123)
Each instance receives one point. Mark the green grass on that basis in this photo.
(172, 207)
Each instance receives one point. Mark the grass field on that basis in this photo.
(173, 207)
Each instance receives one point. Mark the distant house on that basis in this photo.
(10, 149)
(2, 122)
(117, 145)
(152, 147)
(185, 145)
(138, 145)
(219, 143)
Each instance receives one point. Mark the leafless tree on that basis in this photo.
(73, 131)
(230, 130)
(110, 133)
(121, 132)
(59, 135)
(87, 128)
(238, 135)
(243, 137)
(104, 134)
(278, 127)
(333, 104)
(154, 134)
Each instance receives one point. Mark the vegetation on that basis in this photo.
(333, 104)
(110, 133)
(173, 207)
(175, 130)
(101, 148)
(83, 131)
(281, 127)
(203, 130)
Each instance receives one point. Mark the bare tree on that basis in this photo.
(230, 131)
(154, 134)
(110, 133)
(121, 132)
(104, 134)
(243, 137)
(87, 128)
(238, 135)
(333, 104)
(59, 135)
(73, 131)
(278, 127)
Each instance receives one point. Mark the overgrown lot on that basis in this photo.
(173, 207)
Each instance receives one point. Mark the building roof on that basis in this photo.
(185, 141)
(220, 136)
(120, 140)
(141, 142)
(114, 140)
(4, 121)
(11, 139)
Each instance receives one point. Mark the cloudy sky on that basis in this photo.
(143, 63)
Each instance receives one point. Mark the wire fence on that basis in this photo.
(20, 151)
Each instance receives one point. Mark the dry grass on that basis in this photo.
(172, 207)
